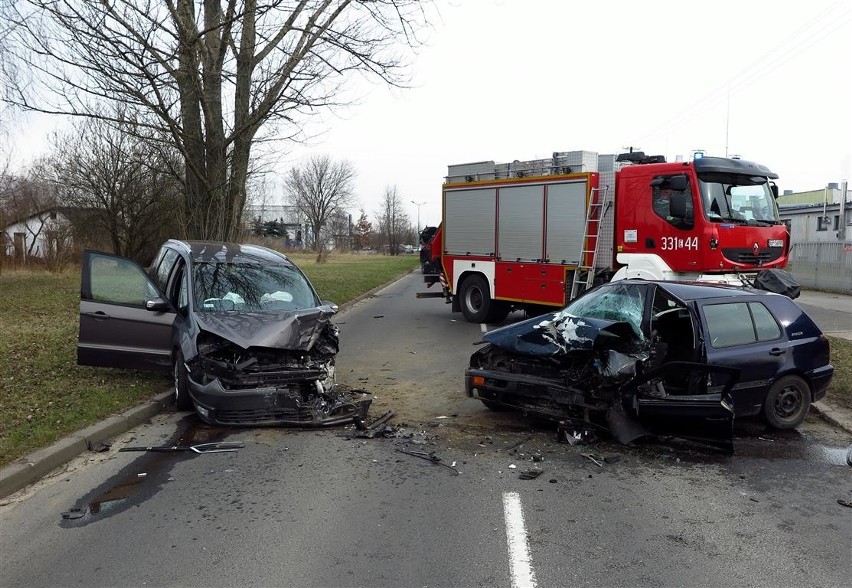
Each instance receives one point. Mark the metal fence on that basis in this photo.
(823, 265)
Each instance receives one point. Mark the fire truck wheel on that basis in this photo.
(476, 300)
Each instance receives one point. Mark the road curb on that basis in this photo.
(833, 416)
(32, 467)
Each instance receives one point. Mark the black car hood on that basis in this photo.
(296, 330)
(558, 332)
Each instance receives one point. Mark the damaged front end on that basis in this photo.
(282, 375)
(594, 375)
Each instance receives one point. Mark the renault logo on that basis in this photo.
(756, 248)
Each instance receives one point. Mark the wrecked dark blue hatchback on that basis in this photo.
(640, 357)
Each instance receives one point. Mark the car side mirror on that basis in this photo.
(679, 183)
(334, 308)
(677, 205)
(157, 305)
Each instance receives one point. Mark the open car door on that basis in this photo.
(702, 415)
(125, 322)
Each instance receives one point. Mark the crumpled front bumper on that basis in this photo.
(291, 405)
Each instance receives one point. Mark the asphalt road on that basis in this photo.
(832, 312)
(325, 508)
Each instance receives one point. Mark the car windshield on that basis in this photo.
(733, 199)
(617, 302)
(250, 287)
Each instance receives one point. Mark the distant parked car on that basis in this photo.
(678, 358)
(240, 327)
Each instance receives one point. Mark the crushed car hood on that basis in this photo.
(556, 333)
(296, 330)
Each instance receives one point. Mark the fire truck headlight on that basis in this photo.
(776, 242)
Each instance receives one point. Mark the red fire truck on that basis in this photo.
(532, 234)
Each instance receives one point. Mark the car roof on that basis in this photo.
(224, 252)
(703, 290)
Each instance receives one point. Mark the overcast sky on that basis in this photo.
(519, 79)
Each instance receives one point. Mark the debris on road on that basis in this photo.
(430, 456)
(375, 423)
(842, 502)
(594, 459)
(217, 447)
(517, 444)
(529, 474)
(97, 447)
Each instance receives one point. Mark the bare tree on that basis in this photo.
(393, 221)
(340, 230)
(319, 188)
(116, 180)
(214, 76)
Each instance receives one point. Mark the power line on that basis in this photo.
(828, 21)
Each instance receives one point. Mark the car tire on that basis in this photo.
(787, 402)
(181, 383)
(476, 303)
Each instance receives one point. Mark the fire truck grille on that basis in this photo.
(762, 256)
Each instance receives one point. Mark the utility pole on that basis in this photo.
(418, 205)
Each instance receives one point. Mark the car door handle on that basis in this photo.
(777, 351)
(98, 315)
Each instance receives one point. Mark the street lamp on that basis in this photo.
(418, 205)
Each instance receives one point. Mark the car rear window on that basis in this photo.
(740, 323)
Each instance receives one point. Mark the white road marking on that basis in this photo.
(483, 327)
(520, 566)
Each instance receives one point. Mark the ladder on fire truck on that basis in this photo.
(584, 275)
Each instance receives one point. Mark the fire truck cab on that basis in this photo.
(705, 220)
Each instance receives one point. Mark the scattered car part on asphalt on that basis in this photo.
(637, 357)
(430, 457)
(378, 427)
(97, 447)
(216, 447)
(530, 474)
(598, 461)
(240, 327)
(73, 514)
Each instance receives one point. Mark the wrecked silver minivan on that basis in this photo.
(635, 357)
(240, 327)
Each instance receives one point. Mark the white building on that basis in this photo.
(38, 235)
(817, 215)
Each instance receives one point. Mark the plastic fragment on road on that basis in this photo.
(430, 456)
(217, 447)
(98, 447)
(594, 459)
(530, 475)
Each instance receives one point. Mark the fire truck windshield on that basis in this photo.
(743, 202)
